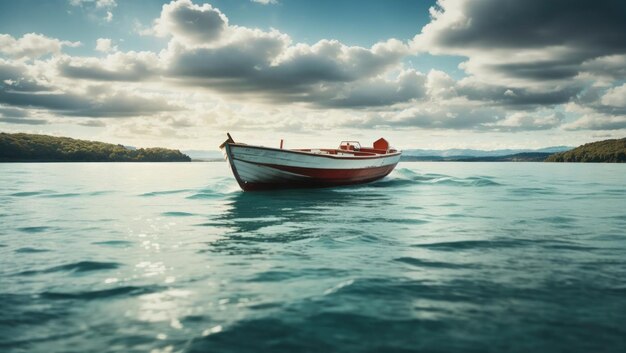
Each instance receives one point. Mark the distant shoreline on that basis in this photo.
(33, 148)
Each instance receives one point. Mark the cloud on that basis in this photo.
(15, 77)
(18, 116)
(376, 92)
(106, 4)
(532, 55)
(522, 121)
(597, 122)
(111, 105)
(525, 41)
(118, 66)
(32, 45)
(105, 45)
(189, 22)
(606, 68)
(615, 97)
(527, 69)
(101, 4)
(19, 88)
(206, 51)
(517, 97)
(96, 9)
(265, 2)
(91, 123)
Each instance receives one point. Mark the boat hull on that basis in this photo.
(262, 168)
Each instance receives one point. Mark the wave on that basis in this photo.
(475, 244)
(317, 332)
(38, 229)
(177, 214)
(529, 191)
(114, 243)
(434, 264)
(58, 196)
(81, 266)
(101, 294)
(29, 250)
(220, 188)
(404, 176)
(164, 192)
(31, 193)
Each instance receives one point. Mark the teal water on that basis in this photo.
(437, 257)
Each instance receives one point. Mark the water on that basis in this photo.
(438, 257)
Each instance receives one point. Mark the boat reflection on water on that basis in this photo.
(284, 216)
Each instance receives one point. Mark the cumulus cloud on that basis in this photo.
(597, 121)
(615, 97)
(21, 86)
(524, 62)
(118, 66)
(530, 54)
(32, 45)
(525, 43)
(206, 51)
(189, 22)
(522, 121)
(105, 45)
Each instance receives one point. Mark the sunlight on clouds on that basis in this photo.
(213, 76)
(32, 45)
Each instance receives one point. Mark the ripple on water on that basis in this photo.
(114, 243)
(32, 193)
(407, 177)
(164, 192)
(176, 214)
(60, 196)
(29, 250)
(475, 244)
(36, 229)
(319, 332)
(278, 275)
(103, 293)
(81, 266)
(558, 220)
(530, 191)
(431, 264)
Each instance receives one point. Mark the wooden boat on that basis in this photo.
(262, 168)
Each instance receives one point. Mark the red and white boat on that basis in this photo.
(262, 168)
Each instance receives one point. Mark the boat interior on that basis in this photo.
(354, 148)
(346, 148)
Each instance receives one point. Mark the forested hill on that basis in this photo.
(608, 151)
(43, 148)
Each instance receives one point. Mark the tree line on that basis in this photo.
(607, 151)
(44, 148)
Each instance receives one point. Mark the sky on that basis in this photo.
(484, 74)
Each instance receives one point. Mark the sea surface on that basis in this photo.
(437, 257)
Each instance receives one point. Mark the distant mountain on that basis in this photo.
(517, 157)
(467, 153)
(44, 148)
(607, 151)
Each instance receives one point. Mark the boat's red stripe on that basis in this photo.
(330, 175)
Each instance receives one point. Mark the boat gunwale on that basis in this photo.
(377, 156)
